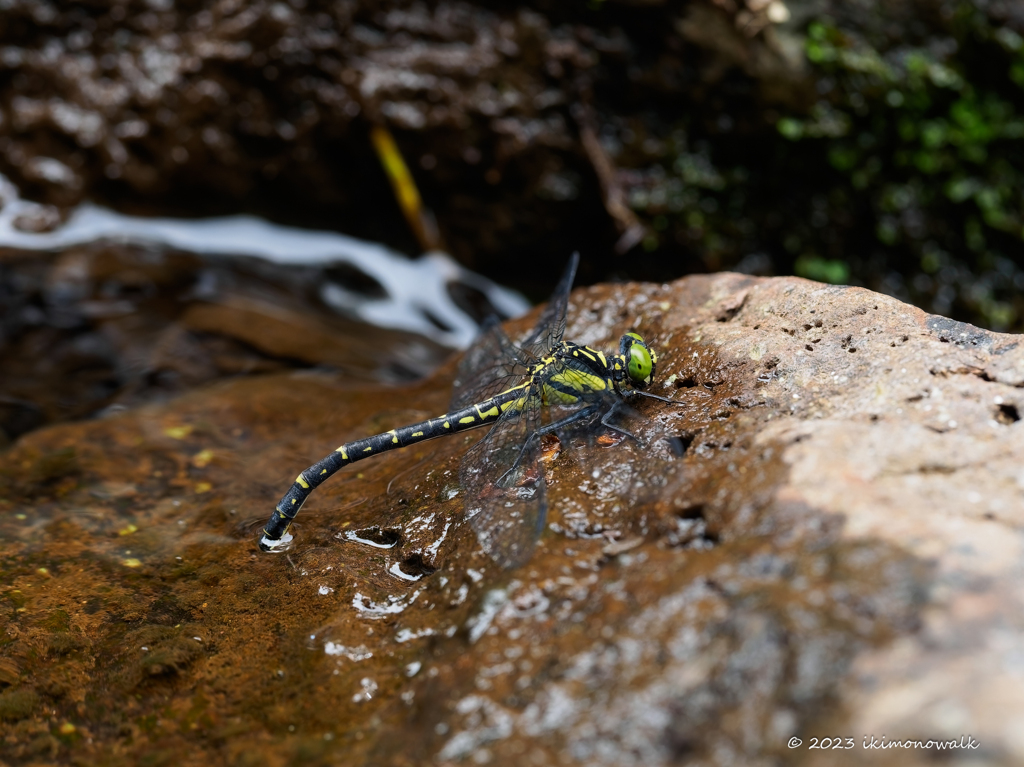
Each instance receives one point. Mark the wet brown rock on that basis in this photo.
(821, 539)
(109, 325)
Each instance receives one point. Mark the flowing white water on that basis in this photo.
(416, 290)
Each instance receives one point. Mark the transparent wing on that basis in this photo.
(490, 365)
(494, 363)
(550, 327)
(503, 482)
(502, 476)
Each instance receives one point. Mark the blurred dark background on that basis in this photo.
(872, 143)
(875, 143)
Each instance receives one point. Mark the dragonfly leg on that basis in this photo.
(608, 424)
(580, 415)
(656, 396)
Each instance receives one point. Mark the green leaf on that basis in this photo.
(790, 128)
(822, 269)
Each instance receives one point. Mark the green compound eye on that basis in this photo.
(640, 364)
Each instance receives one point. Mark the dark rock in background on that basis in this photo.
(108, 326)
(265, 107)
(763, 135)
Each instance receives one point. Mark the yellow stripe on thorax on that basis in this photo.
(584, 351)
(554, 396)
(581, 380)
(591, 354)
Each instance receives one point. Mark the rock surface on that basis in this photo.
(823, 539)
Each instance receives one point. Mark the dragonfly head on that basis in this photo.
(639, 360)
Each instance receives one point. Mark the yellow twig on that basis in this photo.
(408, 196)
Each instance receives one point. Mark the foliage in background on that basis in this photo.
(906, 175)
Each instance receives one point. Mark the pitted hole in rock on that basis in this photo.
(679, 444)
(691, 529)
(354, 280)
(374, 536)
(687, 381)
(729, 311)
(1007, 413)
(768, 371)
(415, 565)
(709, 448)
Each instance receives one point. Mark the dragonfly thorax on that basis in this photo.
(574, 369)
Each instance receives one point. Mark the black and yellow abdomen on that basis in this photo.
(460, 420)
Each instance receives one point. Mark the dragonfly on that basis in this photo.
(524, 391)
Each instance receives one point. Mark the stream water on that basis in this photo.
(410, 294)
